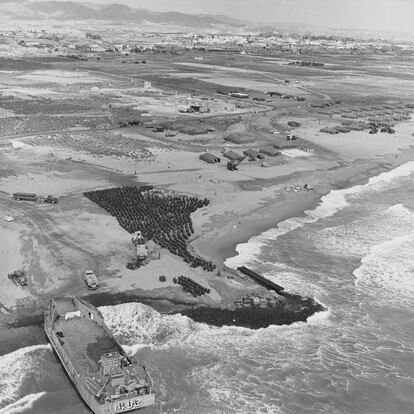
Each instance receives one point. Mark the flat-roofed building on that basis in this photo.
(210, 158)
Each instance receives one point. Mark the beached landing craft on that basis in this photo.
(106, 378)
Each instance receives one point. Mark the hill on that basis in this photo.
(68, 10)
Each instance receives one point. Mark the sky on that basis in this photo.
(383, 15)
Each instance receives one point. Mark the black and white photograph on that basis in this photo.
(207, 206)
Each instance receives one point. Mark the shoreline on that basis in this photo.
(225, 246)
(257, 209)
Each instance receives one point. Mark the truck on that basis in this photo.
(91, 280)
(233, 164)
(35, 198)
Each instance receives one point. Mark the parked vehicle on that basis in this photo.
(91, 280)
(35, 198)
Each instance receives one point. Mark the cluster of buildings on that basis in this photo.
(129, 42)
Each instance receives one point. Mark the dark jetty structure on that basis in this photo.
(260, 279)
(161, 217)
(290, 309)
(294, 309)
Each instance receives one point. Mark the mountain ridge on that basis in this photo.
(72, 10)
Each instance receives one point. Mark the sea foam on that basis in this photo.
(387, 271)
(329, 205)
(135, 324)
(357, 237)
(24, 403)
(15, 367)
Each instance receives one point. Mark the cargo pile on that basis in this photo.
(306, 63)
(255, 301)
(161, 217)
(285, 96)
(190, 286)
(18, 277)
(374, 118)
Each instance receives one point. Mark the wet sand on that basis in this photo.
(264, 219)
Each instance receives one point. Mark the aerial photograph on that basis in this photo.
(207, 206)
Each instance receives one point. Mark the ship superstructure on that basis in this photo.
(107, 379)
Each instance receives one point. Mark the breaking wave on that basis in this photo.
(24, 403)
(247, 252)
(338, 199)
(387, 271)
(135, 324)
(357, 238)
(19, 373)
(329, 205)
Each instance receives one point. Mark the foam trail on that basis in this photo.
(15, 367)
(387, 269)
(336, 200)
(247, 252)
(329, 205)
(357, 238)
(136, 324)
(320, 317)
(23, 404)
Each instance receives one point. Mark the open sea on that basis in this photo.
(354, 253)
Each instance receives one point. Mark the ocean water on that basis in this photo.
(354, 253)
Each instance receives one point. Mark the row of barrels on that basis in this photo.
(189, 285)
(161, 217)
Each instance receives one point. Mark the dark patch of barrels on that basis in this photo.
(165, 219)
(189, 285)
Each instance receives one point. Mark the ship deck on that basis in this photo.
(85, 342)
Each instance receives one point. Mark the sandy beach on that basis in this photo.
(239, 210)
(131, 135)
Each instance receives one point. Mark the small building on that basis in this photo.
(343, 129)
(328, 130)
(141, 244)
(272, 152)
(253, 154)
(83, 48)
(233, 156)
(210, 158)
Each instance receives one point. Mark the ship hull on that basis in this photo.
(108, 407)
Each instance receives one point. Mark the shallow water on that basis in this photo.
(354, 253)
